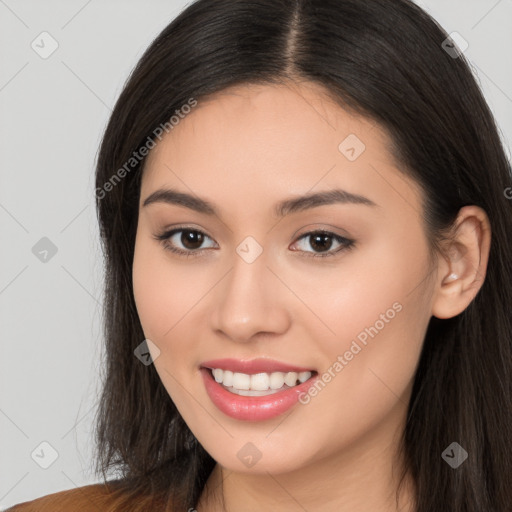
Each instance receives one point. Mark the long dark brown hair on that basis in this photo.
(382, 59)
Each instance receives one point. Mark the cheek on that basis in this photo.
(164, 292)
(163, 297)
(171, 297)
(149, 294)
(347, 297)
(369, 317)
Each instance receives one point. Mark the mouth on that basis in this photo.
(258, 384)
(255, 390)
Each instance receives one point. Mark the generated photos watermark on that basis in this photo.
(138, 156)
(355, 348)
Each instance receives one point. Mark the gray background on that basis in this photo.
(52, 115)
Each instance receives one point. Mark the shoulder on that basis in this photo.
(89, 498)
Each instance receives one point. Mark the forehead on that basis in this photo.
(284, 120)
(270, 140)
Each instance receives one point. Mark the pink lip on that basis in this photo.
(252, 408)
(253, 366)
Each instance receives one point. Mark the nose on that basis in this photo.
(250, 302)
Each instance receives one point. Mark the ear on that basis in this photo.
(463, 265)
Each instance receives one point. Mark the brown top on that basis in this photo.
(90, 498)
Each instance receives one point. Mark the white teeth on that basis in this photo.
(304, 376)
(276, 380)
(290, 379)
(227, 378)
(241, 381)
(259, 383)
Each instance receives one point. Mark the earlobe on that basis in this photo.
(463, 270)
(448, 298)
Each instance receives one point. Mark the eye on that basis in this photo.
(323, 241)
(189, 239)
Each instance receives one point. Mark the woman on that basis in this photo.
(305, 215)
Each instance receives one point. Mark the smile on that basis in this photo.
(258, 384)
(259, 392)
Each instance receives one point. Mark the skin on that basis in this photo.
(244, 150)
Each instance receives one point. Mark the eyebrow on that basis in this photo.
(286, 207)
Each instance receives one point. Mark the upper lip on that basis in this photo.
(253, 366)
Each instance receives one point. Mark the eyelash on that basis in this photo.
(166, 235)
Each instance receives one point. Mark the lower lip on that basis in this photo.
(252, 408)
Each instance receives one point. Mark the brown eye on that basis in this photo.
(322, 241)
(185, 241)
(191, 239)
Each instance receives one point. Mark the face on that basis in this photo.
(337, 288)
